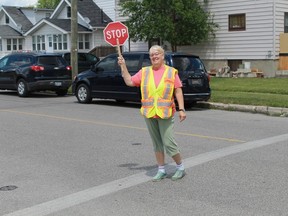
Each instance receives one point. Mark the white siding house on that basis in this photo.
(258, 43)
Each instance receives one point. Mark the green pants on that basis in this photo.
(162, 134)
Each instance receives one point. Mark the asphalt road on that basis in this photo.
(62, 158)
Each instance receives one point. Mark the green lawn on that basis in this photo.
(250, 91)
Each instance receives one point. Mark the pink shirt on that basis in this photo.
(136, 79)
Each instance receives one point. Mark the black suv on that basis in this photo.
(105, 80)
(28, 72)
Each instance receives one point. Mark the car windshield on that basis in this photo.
(50, 60)
(187, 63)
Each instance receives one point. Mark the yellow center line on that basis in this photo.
(118, 125)
(211, 137)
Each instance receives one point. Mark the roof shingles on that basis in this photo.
(20, 19)
(8, 32)
(97, 17)
(65, 24)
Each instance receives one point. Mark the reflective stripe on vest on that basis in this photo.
(157, 101)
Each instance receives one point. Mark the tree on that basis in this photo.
(49, 4)
(179, 22)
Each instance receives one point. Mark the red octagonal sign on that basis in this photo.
(114, 31)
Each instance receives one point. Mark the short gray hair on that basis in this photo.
(157, 48)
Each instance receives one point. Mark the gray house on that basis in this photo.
(52, 33)
(13, 24)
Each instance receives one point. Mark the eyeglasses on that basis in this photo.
(154, 54)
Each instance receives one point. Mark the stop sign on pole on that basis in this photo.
(116, 31)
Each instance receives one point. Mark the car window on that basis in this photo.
(81, 57)
(91, 57)
(3, 62)
(132, 62)
(146, 61)
(67, 56)
(14, 61)
(183, 63)
(51, 60)
(22, 60)
(107, 64)
(28, 59)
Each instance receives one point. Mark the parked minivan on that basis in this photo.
(105, 80)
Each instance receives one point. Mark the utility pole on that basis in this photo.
(74, 38)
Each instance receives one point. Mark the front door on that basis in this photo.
(50, 43)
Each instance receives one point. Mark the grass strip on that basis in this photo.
(250, 91)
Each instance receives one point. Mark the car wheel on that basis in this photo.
(83, 94)
(62, 92)
(22, 89)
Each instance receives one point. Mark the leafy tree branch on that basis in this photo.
(179, 22)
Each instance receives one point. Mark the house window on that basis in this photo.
(68, 12)
(14, 44)
(84, 41)
(285, 22)
(237, 22)
(43, 42)
(20, 44)
(6, 19)
(38, 42)
(60, 42)
(49, 40)
(65, 45)
(9, 42)
(87, 43)
(55, 42)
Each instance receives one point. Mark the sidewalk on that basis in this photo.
(271, 111)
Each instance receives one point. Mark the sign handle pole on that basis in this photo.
(119, 53)
(118, 48)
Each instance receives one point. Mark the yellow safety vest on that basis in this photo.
(157, 101)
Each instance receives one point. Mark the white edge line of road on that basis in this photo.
(133, 180)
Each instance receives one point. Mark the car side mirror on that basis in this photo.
(93, 67)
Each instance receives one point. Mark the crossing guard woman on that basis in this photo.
(159, 84)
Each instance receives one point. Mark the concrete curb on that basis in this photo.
(271, 111)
